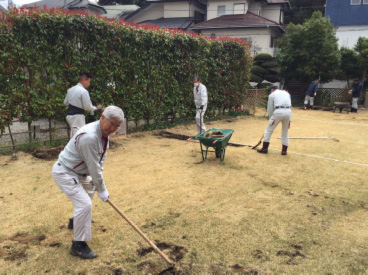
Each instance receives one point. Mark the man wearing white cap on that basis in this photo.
(200, 101)
(279, 110)
(85, 154)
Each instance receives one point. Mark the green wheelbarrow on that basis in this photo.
(218, 144)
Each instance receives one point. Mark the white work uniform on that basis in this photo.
(200, 98)
(84, 154)
(278, 108)
(78, 96)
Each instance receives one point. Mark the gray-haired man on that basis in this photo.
(85, 154)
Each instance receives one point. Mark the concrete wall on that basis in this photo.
(348, 35)
(154, 11)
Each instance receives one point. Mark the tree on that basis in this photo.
(362, 49)
(302, 10)
(349, 65)
(309, 51)
(263, 69)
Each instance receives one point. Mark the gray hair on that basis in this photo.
(114, 112)
(196, 78)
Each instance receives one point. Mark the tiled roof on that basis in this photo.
(115, 11)
(247, 20)
(171, 23)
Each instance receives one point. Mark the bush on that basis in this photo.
(145, 70)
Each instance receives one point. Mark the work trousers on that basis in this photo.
(283, 116)
(201, 128)
(354, 103)
(80, 193)
(310, 99)
(75, 123)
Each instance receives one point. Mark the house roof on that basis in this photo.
(71, 4)
(149, 2)
(161, 1)
(115, 11)
(248, 20)
(172, 23)
(274, 2)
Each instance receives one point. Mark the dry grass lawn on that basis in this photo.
(255, 214)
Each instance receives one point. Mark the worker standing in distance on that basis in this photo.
(279, 110)
(310, 94)
(200, 101)
(77, 100)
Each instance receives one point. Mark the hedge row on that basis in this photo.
(145, 70)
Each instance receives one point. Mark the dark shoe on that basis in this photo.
(310, 107)
(70, 225)
(264, 150)
(305, 107)
(351, 110)
(284, 150)
(81, 249)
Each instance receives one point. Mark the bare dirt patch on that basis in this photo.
(174, 252)
(47, 153)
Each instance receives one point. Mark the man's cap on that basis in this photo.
(356, 79)
(274, 87)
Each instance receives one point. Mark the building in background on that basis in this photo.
(83, 5)
(119, 12)
(350, 18)
(175, 14)
(260, 22)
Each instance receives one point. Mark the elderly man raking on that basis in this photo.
(85, 154)
(279, 110)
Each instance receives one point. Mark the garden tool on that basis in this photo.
(142, 234)
(259, 142)
(330, 138)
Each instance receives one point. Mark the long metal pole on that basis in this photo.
(141, 233)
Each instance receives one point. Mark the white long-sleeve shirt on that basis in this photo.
(78, 96)
(85, 153)
(200, 95)
(278, 98)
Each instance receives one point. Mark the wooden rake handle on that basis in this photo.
(142, 234)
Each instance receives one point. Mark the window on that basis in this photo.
(221, 10)
(239, 8)
(355, 2)
(213, 35)
(365, 2)
(282, 17)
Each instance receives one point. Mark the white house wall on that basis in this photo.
(153, 12)
(348, 35)
(271, 12)
(176, 9)
(260, 38)
(212, 7)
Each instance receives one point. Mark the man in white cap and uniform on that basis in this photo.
(279, 110)
(77, 100)
(200, 101)
(85, 154)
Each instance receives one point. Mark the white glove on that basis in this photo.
(104, 195)
(315, 94)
